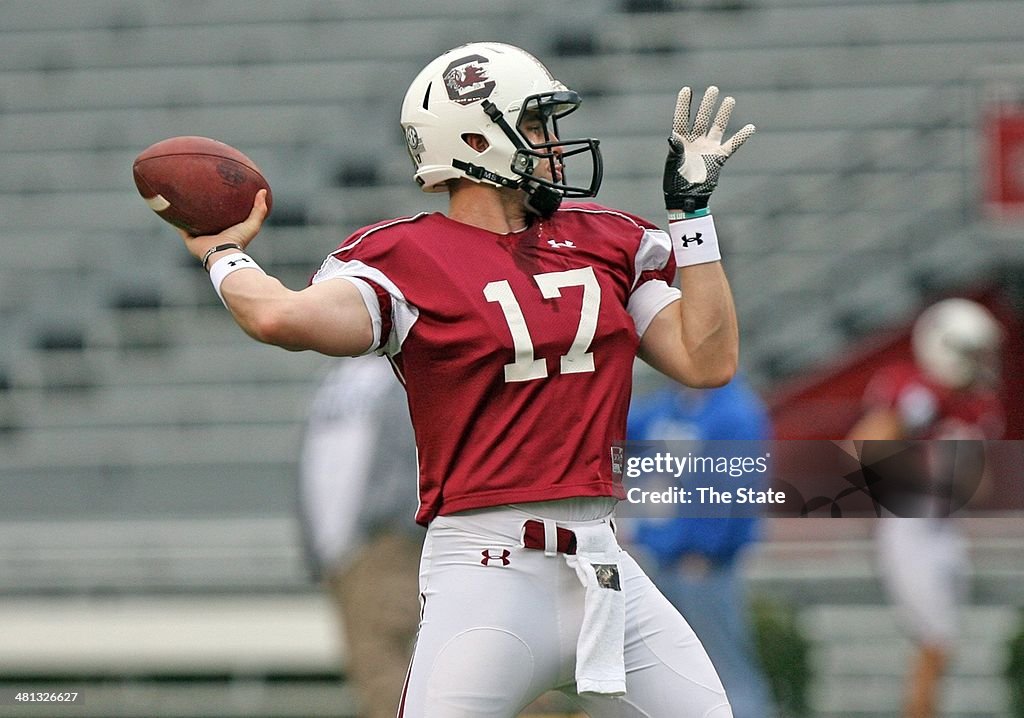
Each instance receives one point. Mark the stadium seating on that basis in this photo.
(147, 447)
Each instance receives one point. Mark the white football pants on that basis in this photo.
(500, 624)
(925, 568)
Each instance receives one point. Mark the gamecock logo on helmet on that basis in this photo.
(466, 80)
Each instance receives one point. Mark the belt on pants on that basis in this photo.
(534, 538)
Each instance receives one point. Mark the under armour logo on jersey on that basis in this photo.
(233, 262)
(493, 554)
(557, 245)
(695, 240)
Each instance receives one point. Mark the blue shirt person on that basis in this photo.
(695, 560)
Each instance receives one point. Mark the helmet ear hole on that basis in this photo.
(476, 141)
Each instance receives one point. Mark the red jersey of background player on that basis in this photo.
(930, 410)
(477, 323)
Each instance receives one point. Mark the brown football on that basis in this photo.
(200, 185)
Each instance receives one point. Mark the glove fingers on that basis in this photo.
(681, 119)
(721, 119)
(741, 136)
(702, 121)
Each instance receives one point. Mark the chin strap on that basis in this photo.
(542, 200)
(482, 173)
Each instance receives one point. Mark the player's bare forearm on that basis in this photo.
(709, 327)
(329, 317)
(696, 340)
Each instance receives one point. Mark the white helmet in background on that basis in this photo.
(485, 88)
(956, 343)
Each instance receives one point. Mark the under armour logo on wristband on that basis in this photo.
(694, 240)
(501, 556)
(234, 262)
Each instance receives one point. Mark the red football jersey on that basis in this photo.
(516, 350)
(929, 410)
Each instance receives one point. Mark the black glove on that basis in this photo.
(695, 156)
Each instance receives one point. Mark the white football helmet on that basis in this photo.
(956, 343)
(486, 88)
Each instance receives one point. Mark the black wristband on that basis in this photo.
(686, 203)
(219, 248)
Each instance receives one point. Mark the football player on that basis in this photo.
(948, 391)
(513, 320)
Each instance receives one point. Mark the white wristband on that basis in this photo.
(694, 241)
(226, 265)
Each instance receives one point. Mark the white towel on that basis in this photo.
(600, 666)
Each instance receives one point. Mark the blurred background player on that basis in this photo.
(357, 500)
(696, 562)
(948, 391)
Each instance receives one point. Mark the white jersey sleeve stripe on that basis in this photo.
(652, 254)
(403, 314)
(372, 306)
(647, 300)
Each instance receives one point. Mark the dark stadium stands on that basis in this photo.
(148, 448)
